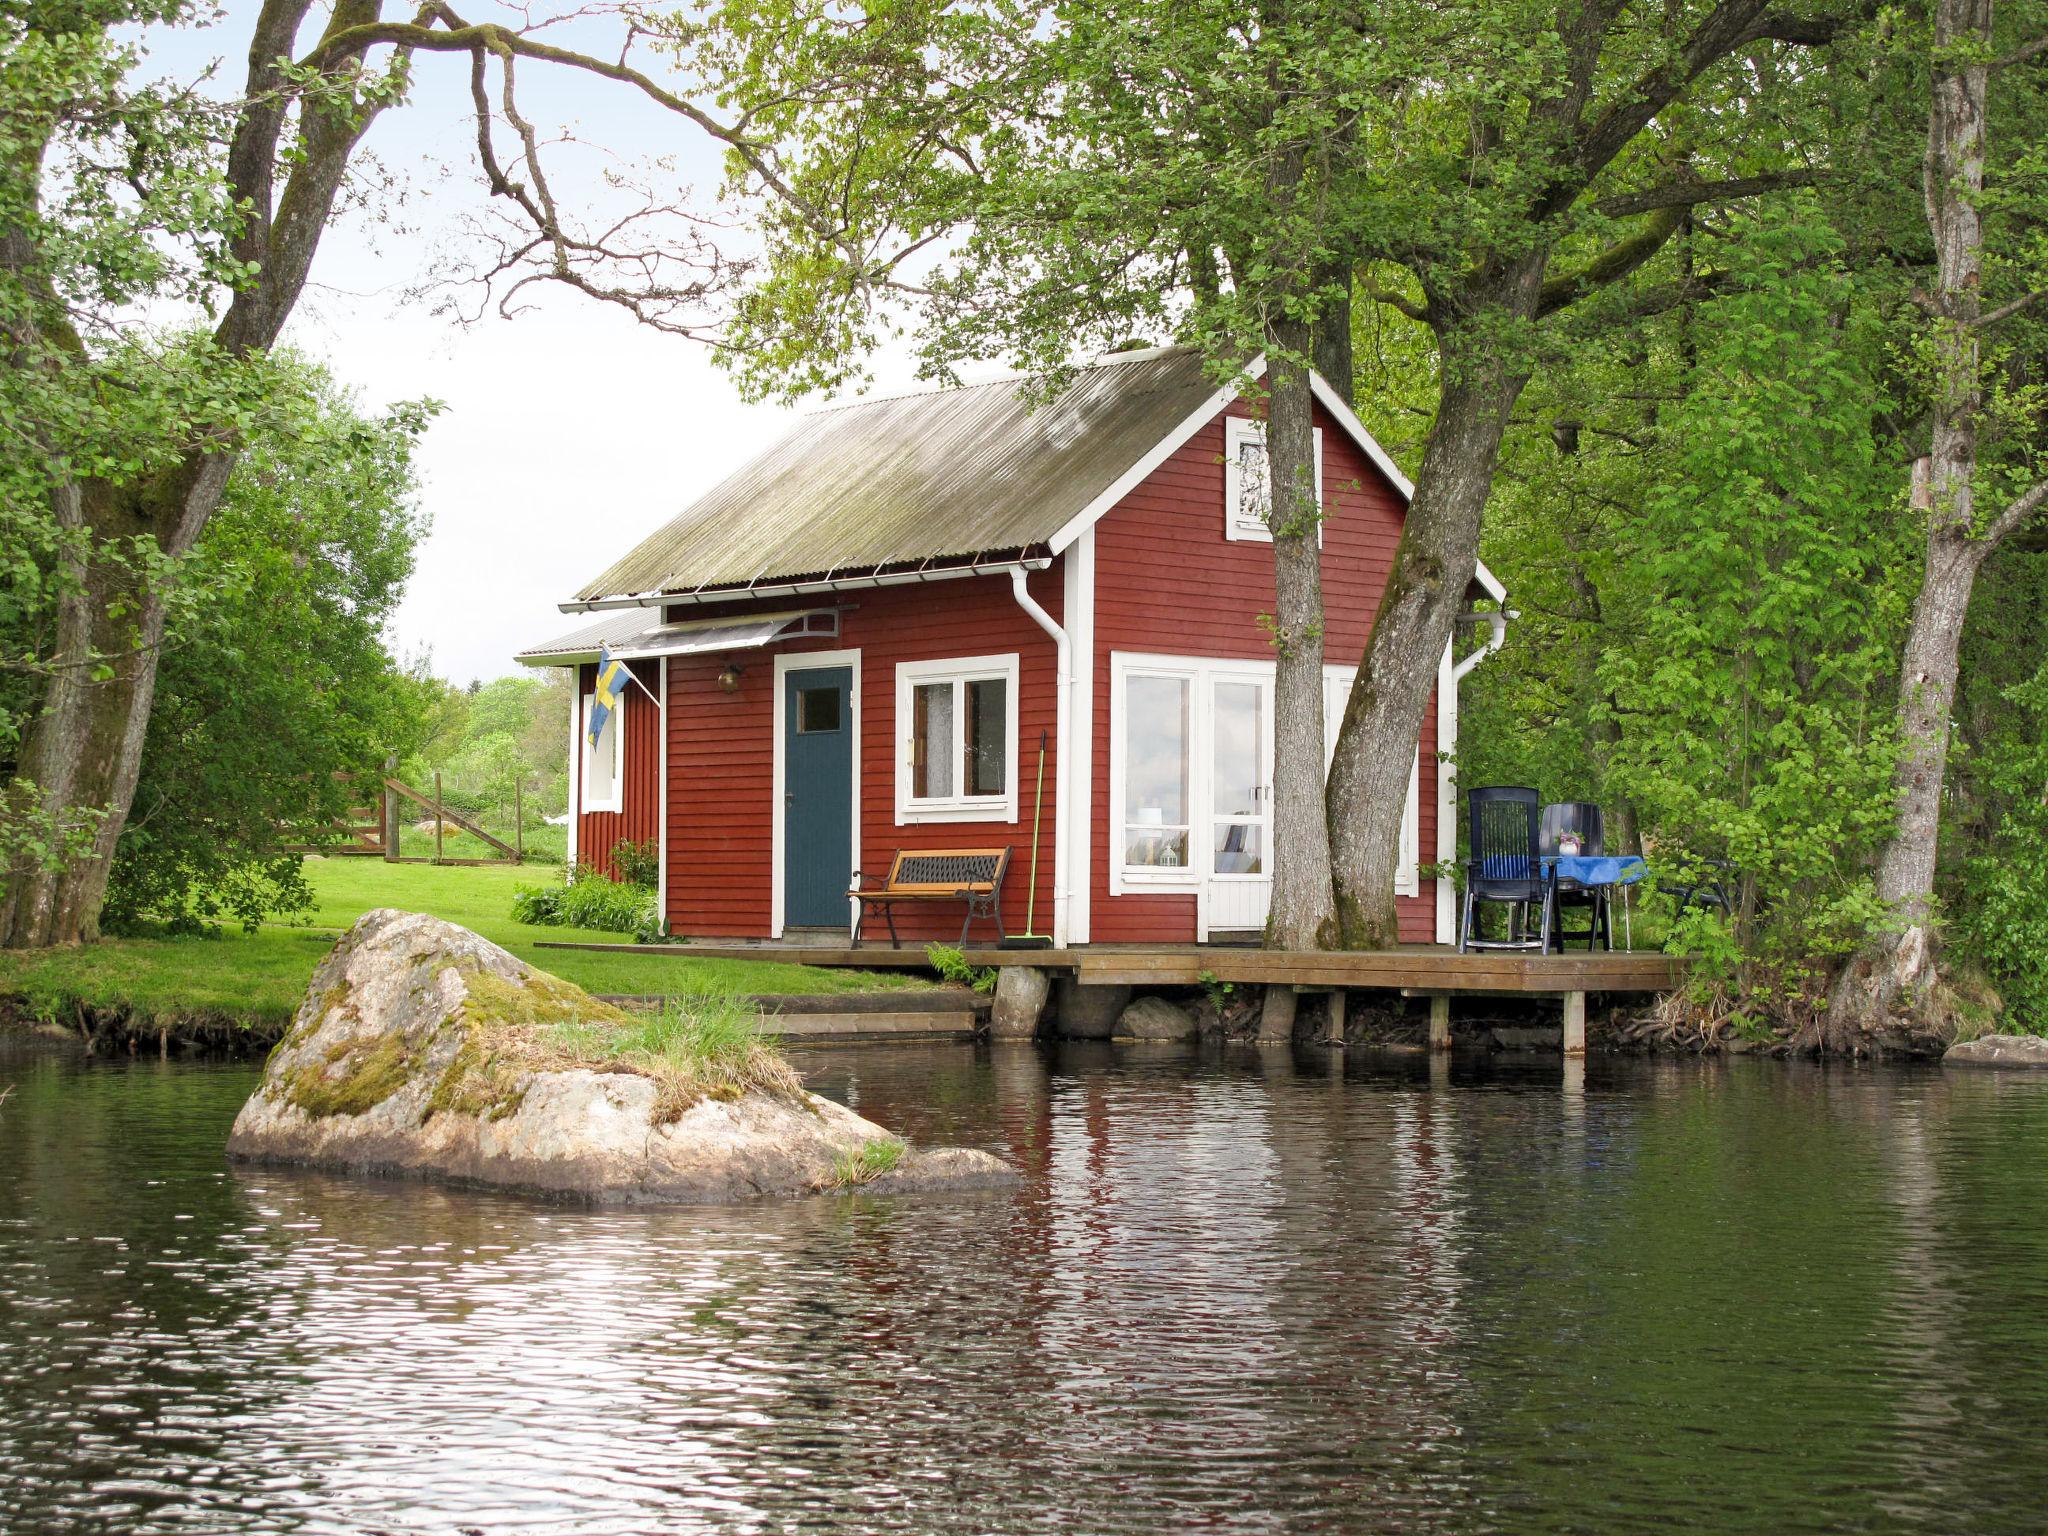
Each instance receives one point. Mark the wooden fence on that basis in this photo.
(373, 831)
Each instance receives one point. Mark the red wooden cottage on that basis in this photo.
(855, 644)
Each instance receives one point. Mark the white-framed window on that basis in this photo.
(1153, 763)
(604, 765)
(956, 739)
(1247, 497)
(1190, 771)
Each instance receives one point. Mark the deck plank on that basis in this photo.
(1418, 969)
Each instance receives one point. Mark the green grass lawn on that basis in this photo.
(259, 977)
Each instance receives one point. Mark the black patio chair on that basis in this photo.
(1502, 867)
(1581, 817)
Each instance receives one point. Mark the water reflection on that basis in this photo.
(1237, 1292)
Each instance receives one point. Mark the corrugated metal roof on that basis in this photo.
(611, 631)
(934, 476)
(632, 634)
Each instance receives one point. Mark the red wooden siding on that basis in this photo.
(722, 755)
(1168, 581)
(639, 818)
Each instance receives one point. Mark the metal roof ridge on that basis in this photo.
(1008, 376)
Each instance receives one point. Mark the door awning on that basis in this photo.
(629, 637)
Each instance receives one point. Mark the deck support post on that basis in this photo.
(1335, 1037)
(1276, 1015)
(1440, 1022)
(1575, 1023)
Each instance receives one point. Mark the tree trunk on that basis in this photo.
(82, 753)
(1433, 564)
(1303, 912)
(1893, 974)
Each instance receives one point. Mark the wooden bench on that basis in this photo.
(970, 875)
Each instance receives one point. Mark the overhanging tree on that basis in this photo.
(1897, 972)
(113, 193)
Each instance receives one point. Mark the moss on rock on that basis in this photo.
(353, 1078)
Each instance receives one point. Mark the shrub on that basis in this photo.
(591, 899)
(638, 863)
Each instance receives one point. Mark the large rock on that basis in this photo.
(422, 1049)
(1020, 1002)
(1998, 1051)
(1155, 1018)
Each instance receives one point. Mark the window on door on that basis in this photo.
(604, 761)
(1158, 802)
(956, 739)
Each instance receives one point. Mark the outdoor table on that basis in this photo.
(1589, 869)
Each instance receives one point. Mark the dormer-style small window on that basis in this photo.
(1246, 496)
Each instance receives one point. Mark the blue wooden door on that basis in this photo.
(817, 799)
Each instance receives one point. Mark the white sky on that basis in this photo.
(569, 433)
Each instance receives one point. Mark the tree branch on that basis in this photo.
(1690, 194)
(2007, 522)
(2021, 54)
(1387, 296)
(1617, 261)
(2006, 311)
(1729, 26)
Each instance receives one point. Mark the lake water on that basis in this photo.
(1237, 1293)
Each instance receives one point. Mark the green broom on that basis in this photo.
(1029, 939)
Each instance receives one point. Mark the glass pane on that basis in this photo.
(1156, 771)
(817, 709)
(988, 720)
(931, 741)
(1238, 783)
(1254, 501)
(1154, 847)
(1239, 848)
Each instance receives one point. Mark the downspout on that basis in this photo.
(1446, 801)
(1061, 811)
(1495, 621)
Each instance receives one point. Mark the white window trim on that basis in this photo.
(1238, 430)
(958, 670)
(615, 728)
(1123, 666)
(1199, 672)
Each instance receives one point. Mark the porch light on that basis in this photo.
(729, 679)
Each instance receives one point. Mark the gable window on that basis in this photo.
(1247, 494)
(956, 739)
(604, 774)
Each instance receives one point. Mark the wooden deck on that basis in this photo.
(1425, 970)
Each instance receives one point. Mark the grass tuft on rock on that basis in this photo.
(694, 1048)
(850, 1170)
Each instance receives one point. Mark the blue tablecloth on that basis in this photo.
(1598, 869)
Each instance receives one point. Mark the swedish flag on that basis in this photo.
(612, 678)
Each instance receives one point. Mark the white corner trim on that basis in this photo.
(575, 768)
(957, 670)
(1446, 795)
(805, 661)
(661, 805)
(1074, 809)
